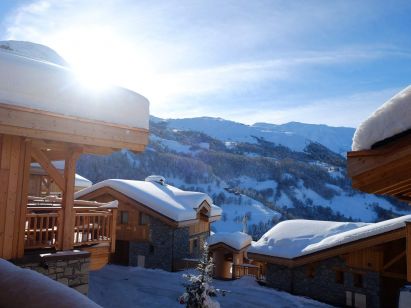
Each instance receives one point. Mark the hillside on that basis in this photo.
(249, 174)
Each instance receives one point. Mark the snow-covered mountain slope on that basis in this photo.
(33, 50)
(293, 135)
(337, 139)
(261, 180)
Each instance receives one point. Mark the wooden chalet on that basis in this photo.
(363, 267)
(158, 225)
(229, 253)
(46, 114)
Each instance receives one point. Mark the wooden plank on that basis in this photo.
(113, 231)
(394, 260)
(12, 198)
(19, 196)
(42, 125)
(68, 201)
(5, 157)
(47, 165)
(23, 200)
(408, 250)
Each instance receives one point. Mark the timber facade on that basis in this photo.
(147, 238)
(366, 273)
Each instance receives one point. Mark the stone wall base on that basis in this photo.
(71, 268)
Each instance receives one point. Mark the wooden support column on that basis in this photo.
(68, 200)
(113, 231)
(408, 247)
(13, 194)
(21, 223)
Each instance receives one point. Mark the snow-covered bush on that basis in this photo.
(198, 287)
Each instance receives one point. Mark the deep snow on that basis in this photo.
(120, 286)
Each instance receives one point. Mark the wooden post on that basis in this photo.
(24, 194)
(408, 247)
(113, 231)
(68, 201)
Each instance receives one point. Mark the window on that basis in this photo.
(310, 271)
(123, 217)
(151, 249)
(144, 219)
(339, 277)
(193, 246)
(358, 281)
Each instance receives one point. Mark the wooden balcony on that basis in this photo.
(94, 223)
(240, 270)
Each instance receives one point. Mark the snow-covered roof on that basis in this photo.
(392, 118)
(177, 204)
(29, 80)
(23, 288)
(294, 238)
(80, 181)
(237, 240)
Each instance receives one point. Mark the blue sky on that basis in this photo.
(331, 62)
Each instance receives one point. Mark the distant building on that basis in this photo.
(158, 225)
(343, 264)
(42, 184)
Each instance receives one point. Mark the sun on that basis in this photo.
(99, 57)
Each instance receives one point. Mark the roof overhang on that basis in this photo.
(224, 246)
(383, 169)
(55, 131)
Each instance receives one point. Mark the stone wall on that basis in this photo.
(69, 267)
(165, 246)
(322, 284)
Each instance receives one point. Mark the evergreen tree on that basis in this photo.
(199, 288)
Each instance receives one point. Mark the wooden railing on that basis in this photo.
(240, 270)
(92, 226)
(93, 223)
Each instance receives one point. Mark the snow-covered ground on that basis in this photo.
(120, 286)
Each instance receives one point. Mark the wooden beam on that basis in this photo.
(47, 165)
(24, 197)
(394, 260)
(68, 201)
(113, 231)
(11, 199)
(408, 249)
(37, 124)
(6, 144)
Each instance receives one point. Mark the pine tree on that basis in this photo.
(199, 288)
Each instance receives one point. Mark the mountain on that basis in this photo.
(293, 135)
(262, 172)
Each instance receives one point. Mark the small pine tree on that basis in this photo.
(199, 288)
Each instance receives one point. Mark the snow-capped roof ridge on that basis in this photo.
(295, 238)
(392, 118)
(237, 240)
(177, 204)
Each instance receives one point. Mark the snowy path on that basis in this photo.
(120, 286)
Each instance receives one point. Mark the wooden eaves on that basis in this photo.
(384, 169)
